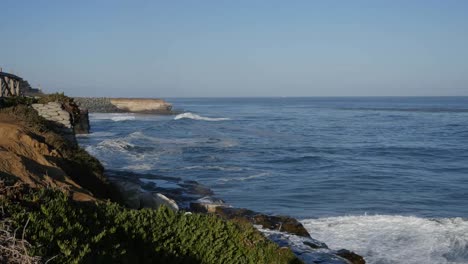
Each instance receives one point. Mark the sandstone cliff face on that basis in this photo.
(115, 105)
(25, 155)
(141, 105)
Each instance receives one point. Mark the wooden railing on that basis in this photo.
(9, 85)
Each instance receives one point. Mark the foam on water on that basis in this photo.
(122, 118)
(216, 168)
(115, 145)
(197, 117)
(384, 239)
(140, 167)
(255, 176)
(112, 116)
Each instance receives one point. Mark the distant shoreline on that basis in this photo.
(125, 105)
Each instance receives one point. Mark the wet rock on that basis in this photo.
(280, 223)
(155, 200)
(207, 205)
(298, 245)
(82, 125)
(161, 199)
(130, 193)
(314, 244)
(351, 256)
(194, 187)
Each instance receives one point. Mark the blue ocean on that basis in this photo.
(386, 177)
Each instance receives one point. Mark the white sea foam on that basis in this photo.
(218, 168)
(122, 118)
(139, 167)
(115, 145)
(101, 134)
(112, 116)
(303, 251)
(198, 117)
(383, 239)
(259, 175)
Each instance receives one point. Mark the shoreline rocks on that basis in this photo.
(149, 190)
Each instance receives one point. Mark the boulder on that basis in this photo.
(351, 256)
(161, 199)
(207, 205)
(130, 193)
(279, 223)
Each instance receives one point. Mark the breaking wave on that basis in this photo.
(115, 145)
(122, 118)
(197, 117)
(112, 116)
(385, 239)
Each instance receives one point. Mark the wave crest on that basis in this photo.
(112, 116)
(198, 117)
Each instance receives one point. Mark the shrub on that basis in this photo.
(74, 232)
(16, 100)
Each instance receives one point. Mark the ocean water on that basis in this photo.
(386, 177)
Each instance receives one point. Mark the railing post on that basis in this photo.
(17, 91)
(12, 86)
(1, 87)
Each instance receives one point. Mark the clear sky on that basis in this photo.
(238, 48)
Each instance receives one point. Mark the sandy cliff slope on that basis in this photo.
(25, 155)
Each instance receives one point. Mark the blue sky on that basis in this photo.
(238, 48)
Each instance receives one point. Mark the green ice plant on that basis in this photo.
(66, 231)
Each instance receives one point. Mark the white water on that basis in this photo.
(197, 117)
(255, 176)
(113, 116)
(122, 118)
(115, 145)
(218, 168)
(383, 239)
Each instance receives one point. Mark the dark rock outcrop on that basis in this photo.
(279, 223)
(82, 124)
(351, 256)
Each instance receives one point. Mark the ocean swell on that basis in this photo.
(198, 117)
(384, 239)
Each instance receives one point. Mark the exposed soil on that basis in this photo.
(26, 156)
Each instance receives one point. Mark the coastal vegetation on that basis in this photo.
(55, 227)
(104, 232)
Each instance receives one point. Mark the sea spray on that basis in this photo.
(198, 117)
(383, 239)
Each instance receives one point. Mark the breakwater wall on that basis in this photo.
(70, 123)
(117, 105)
(54, 112)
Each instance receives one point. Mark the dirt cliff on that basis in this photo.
(40, 157)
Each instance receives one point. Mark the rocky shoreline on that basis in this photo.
(149, 191)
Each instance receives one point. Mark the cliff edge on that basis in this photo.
(33, 151)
